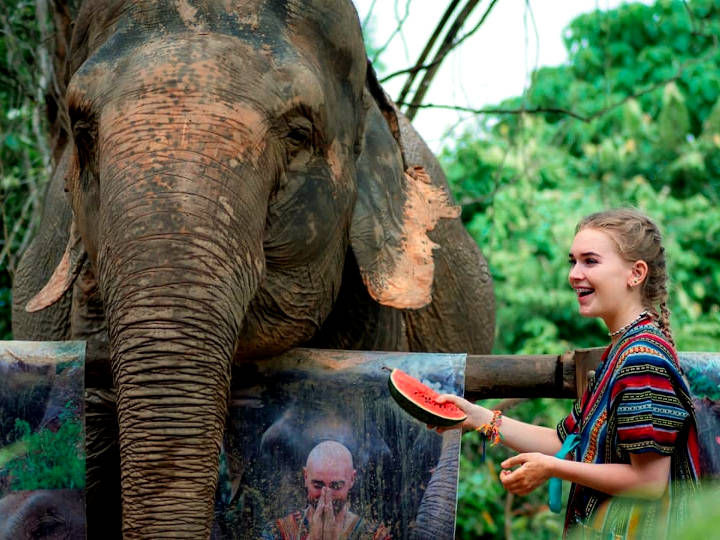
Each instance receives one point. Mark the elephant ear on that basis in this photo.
(64, 275)
(395, 209)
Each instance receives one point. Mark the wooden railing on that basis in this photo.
(537, 375)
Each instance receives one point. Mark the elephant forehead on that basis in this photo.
(328, 28)
(235, 131)
(208, 60)
(206, 68)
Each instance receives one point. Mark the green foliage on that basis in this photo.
(704, 515)
(674, 120)
(24, 153)
(54, 460)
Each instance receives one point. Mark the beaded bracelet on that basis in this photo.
(491, 431)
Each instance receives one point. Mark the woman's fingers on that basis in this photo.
(460, 402)
(533, 471)
(513, 461)
(514, 483)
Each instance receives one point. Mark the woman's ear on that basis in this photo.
(395, 209)
(64, 275)
(638, 273)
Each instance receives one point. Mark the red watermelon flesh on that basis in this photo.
(419, 401)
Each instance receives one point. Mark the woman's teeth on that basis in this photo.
(585, 292)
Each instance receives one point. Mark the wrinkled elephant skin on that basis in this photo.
(238, 187)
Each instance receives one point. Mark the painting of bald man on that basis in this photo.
(316, 448)
(328, 476)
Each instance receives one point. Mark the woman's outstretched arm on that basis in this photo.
(515, 434)
(645, 476)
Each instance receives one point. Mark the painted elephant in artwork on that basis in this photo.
(42, 515)
(238, 184)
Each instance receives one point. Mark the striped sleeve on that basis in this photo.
(569, 424)
(648, 411)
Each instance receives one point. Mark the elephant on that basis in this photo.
(235, 183)
(42, 515)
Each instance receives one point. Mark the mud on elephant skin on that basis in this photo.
(239, 185)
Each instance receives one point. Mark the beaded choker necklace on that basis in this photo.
(628, 325)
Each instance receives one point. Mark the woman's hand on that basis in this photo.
(535, 468)
(474, 413)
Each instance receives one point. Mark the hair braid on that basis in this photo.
(664, 322)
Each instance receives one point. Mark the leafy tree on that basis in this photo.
(24, 153)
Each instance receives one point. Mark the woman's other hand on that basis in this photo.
(534, 469)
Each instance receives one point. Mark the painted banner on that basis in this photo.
(314, 439)
(702, 370)
(42, 451)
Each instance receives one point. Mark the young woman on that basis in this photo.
(634, 427)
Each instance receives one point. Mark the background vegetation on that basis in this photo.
(636, 122)
(24, 149)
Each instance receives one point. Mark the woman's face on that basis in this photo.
(601, 277)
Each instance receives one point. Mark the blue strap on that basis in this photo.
(570, 443)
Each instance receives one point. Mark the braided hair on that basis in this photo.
(637, 237)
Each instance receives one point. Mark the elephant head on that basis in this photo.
(227, 159)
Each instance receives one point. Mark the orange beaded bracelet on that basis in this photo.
(491, 431)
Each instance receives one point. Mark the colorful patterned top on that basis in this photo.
(296, 526)
(638, 402)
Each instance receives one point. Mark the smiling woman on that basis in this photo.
(632, 436)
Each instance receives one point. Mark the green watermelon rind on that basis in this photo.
(417, 411)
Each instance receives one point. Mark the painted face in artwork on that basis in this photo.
(601, 278)
(329, 466)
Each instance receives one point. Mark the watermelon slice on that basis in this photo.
(419, 401)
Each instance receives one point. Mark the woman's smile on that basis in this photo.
(585, 295)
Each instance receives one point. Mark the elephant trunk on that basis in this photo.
(172, 402)
(436, 516)
(177, 272)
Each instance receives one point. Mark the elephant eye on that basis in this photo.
(299, 137)
(49, 525)
(84, 135)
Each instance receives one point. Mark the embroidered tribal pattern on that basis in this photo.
(591, 451)
(639, 402)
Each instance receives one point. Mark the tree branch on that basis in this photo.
(398, 28)
(423, 55)
(534, 110)
(508, 515)
(366, 20)
(447, 45)
(556, 110)
(438, 58)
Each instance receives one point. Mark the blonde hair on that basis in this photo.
(637, 237)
